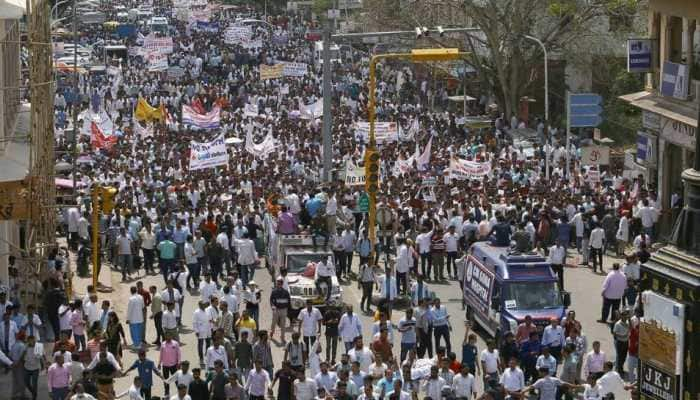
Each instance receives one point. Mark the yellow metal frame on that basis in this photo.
(416, 55)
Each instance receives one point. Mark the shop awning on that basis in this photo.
(676, 110)
(12, 9)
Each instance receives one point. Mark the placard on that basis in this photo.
(295, 69)
(208, 154)
(162, 45)
(464, 169)
(383, 131)
(271, 71)
(595, 155)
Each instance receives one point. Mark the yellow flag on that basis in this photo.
(144, 111)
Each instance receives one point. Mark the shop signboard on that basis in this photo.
(651, 121)
(678, 133)
(674, 80)
(657, 383)
(639, 55)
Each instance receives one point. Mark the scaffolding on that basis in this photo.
(41, 232)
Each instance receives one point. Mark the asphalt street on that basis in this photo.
(584, 285)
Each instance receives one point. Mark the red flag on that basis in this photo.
(198, 106)
(99, 140)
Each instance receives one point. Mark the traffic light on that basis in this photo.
(371, 171)
(108, 194)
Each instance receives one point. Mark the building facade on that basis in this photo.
(669, 103)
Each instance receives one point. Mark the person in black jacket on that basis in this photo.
(280, 301)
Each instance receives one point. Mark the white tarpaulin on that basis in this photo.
(208, 154)
(383, 131)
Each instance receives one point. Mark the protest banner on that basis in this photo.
(210, 120)
(163, 45)
(465, 169)
(354, 175)
(295, 69)
(260, 150)
(157, 61)
(175, 72)
(271, 71)
(208, 154)
(311, 111)
(383, 131)
(250, 110)
(251, 44)
(237, 34)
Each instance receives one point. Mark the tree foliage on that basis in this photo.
(506, 61)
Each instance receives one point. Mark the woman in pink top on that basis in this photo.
(77, 323)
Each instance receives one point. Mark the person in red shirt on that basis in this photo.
(455, 366)
(633, 346)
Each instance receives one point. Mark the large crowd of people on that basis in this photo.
(207, 232)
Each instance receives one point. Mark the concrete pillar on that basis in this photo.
(688, 33)
(664, 39)
(654, 23)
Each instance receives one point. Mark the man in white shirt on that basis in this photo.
(361, 354)
(324, 274)
(404, 262)
(596, 242)
(91, 309)
(349, 327)
(513, 379)
(451, 239)
(134, 317)
(201, 325)
(631, 271)
(423, 242)
(490, 362)
(207, 288)
(216, 352)
(172, 295)
(304, 387)
(463, 384)
(309, 323)
(557, 259)
(432, 387)
(387, 289)
(648, 216)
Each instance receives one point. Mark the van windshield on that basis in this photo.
(532, 295)
(296, 263)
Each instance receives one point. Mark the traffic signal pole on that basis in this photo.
(96, 194)
(372, 156)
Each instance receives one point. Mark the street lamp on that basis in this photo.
(546, 100)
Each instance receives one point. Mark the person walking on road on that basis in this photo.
(614, 287)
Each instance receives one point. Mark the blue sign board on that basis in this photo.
(642, 145)
(639, 55)
(674, 80)
(585, 110)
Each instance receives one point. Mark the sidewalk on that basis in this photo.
(79, 290)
